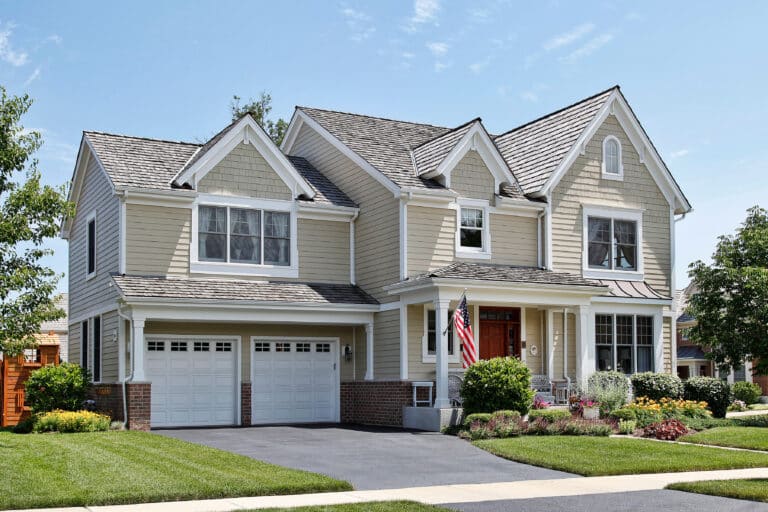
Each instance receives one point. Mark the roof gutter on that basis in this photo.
(590, 290)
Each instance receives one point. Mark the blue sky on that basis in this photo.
(695, 73)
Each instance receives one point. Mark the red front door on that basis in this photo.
(493, 339)
(499, 332)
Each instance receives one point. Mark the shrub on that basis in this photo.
(657, 385)
(758, 420)
(25, 426)
(549, 415)
(497, 384)
(715, 392)
(481, 417)
(610, 389)
(61, 387)
(537, 427)
(706, 423)
(737, 406)
(507, 415)
(747, 392)
(72, 421)
(627, 427)
(667, 430)
(624, 414)
(598, 429)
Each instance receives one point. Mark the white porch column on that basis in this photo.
(565, 343)
(523, 336)
(404, 342)
(369, 351)
(585, 363)
(658, 328)
(441, 353)
(137, 354)
(550, 343)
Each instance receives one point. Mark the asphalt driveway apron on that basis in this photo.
(368, 458)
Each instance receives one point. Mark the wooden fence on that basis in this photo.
(14, 372)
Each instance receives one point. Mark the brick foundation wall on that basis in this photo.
(376, 402)
(109, 399)
(245, 404)
(139, 396)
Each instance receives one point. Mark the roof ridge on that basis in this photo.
(300, 107)
(450, 131)
(558, 111)
(153, 139)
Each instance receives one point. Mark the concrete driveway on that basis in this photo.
(368, 458)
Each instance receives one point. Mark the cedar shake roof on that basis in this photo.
(211, 290)
(508, 273)
(632, 290)
(153, 164)
(428, 156)
(534, 150)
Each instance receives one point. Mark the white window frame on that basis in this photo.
(612, 213)
(603, 167)
(244, 269)
(91, 218)
(481, 253)
(426, 357)
(615, 346)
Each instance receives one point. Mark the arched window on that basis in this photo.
(612, 167)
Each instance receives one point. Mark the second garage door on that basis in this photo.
(294, 380)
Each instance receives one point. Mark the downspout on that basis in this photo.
(122, 355)
(538, 239)
(352, 276)
(548, 236)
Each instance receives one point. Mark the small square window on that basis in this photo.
(156, 346)
(202, 346)
(223, 346)
(302, 347)
(260, 347)
(322, 347)
(282, 347)
(178, 346)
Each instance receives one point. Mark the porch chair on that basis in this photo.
(562, 390)
(543, 387)
(454, 389)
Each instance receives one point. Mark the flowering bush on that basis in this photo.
(667, 430)
(667, 408)
(539, 403)
(72, 421)
(737, 406)
(500, 424)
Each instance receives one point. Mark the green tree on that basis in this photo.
(29, 214)
(731, 305)
(259, 110)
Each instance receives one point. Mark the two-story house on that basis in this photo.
(238, 283)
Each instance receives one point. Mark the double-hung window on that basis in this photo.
(429, 351)
(473, 235)
(624, 343)
(244, 235)
(613, 247)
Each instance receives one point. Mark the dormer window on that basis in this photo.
(472, 233)
(612, 166)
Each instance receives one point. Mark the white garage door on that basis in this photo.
(194, 380)
(294, 380)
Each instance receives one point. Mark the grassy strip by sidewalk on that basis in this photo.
(751, 438)
(754, 490)
(60, 470)
(373, 506)
(598, 456)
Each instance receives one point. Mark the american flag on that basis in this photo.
(463, 329)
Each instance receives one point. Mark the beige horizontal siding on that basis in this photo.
(535, 337)
(244, 172)
(386, 345)
(377, 246)
(157, 240)
(583, 184)
(417, 368)
(471, 178)
(323, 251)
(513, 240)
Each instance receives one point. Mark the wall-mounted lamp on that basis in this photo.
(347, 353)
(114, 335)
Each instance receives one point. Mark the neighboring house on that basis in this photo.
(57, 331)
(235, 282)
(691, 358)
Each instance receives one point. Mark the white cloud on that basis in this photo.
(529, 96)
(7, 53)
(34, 76)
(424, 11)
(588, 49)
(441, 66)
(679, 153)
(569, 37)
(479, 66)
(359, 24)
(438, 49)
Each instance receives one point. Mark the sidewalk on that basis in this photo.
(441, 494)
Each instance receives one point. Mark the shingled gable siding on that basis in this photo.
(582, 184)
(95, 293)
(244, 172)
(376, 229)
(158, 241)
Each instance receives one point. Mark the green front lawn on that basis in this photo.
(751, 438)
(595, 456)
(58, 470)
(755, 490)
(373, 506)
